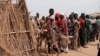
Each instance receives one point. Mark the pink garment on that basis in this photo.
(63, 25)
(61, 22)
(82, 22)
(58, 21)
(48, 22)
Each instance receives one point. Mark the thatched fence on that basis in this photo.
(16, 31)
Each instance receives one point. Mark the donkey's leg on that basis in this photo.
(46, 48)
(58, 50)
(52, 49)
(38, 45)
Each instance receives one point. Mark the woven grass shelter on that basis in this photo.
(16, 31)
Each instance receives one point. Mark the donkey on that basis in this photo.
(51, 37)
(54, 39)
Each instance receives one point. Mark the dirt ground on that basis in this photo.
(90, 51)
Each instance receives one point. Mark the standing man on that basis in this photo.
(50, 18)
(49, 23)
(70, 26)
(94, 28)
(36, 24)
(87, 23)
(37, 20)
(42, 21)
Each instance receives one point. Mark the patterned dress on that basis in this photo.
(76, 33)
(70, 28)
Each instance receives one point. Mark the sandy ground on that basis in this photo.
(90, 51)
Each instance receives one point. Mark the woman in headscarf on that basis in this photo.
(65, 33)
(76, 31)
(57, 19)
(61, 23)
(83, 29)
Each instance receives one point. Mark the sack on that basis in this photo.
(64, 41)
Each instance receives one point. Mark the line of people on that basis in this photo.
(81, 30)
